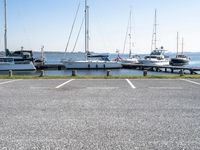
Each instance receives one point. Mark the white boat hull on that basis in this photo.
(92, 64)
(155, 62)
(130, 61)
(17, 67)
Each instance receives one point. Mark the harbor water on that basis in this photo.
(56, 57)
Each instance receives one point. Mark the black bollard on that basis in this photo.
(74, 73)
(42, 73)
(145, 73)
(181, 72)
(108, 73)
(10, 73)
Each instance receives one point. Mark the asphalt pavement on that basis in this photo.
(100, 114)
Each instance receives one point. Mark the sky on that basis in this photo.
(33, 23)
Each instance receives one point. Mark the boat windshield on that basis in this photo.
(181, 56)
(154, 57)
(157, 52)
(4, 59)
(98, 57)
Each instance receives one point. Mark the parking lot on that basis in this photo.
(100, 114)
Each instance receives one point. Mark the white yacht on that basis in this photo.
(14, 63)
(88, 63)
(157, 56)
(8, 63)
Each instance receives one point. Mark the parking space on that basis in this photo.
(193, 81)
(97, 84)
(163, 84)
(99, 114)
(2, 82)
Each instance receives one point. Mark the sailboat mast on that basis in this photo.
(130, 34)
(5, 25)
(182, 45)
(86, 28)
(155, 33)
(177, 44)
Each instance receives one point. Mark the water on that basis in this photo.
(55, 57)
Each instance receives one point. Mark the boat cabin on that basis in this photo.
(20, 55)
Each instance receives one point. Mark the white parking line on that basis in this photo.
(166, 88)
(191, 81)
(130, 83)
(9, 81)
(59, 86)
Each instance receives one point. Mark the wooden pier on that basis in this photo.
(171, 69)
(58, 66)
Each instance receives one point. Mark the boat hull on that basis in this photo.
(17, 67)
(155, 62)
(130, 61)
(92, 65)
(179, 61)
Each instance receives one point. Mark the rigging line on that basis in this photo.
(78, 34)
(152, 41)
(126, 36)
(130, 34)
(72, 28)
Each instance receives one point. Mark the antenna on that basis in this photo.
(177, 44)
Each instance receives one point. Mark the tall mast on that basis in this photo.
(130, 34)
(154, 35)
(86, 28)
(5, 26)
(182, 45)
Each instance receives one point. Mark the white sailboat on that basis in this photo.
(132, 59)
(8, 62)
(91, 61)
(157, 56)
(180, 59)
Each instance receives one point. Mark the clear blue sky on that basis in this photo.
(32, 23)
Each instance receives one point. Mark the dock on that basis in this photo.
(170, 69)
(58, 66)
